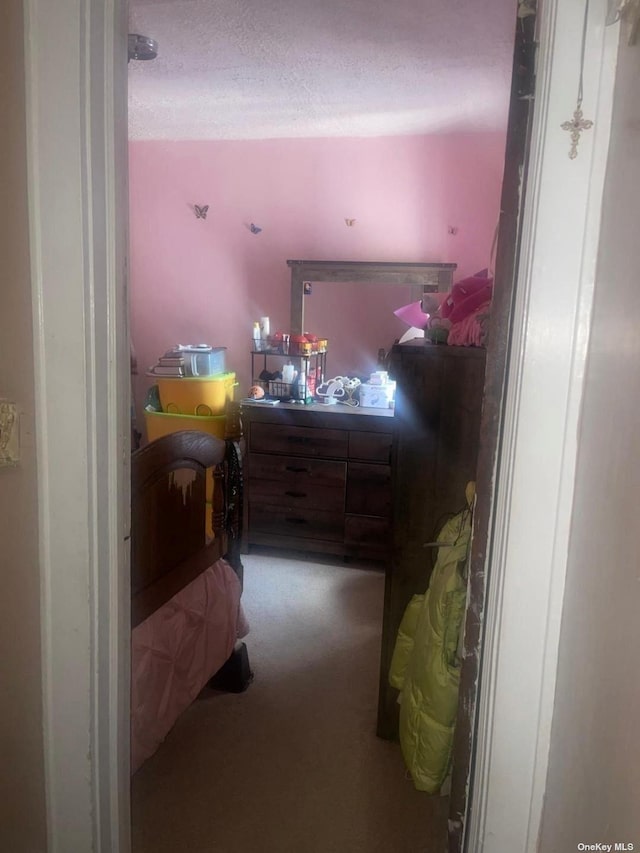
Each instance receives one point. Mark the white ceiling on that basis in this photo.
(259, 69)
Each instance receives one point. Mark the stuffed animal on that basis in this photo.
(466, 297)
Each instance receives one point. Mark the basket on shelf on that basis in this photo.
(278, 388)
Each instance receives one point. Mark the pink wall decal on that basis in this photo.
(196, 280)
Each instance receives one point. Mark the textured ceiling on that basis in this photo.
(260, 69)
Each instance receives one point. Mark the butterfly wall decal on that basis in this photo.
(201, 212)
(350, 222)
(254, 229)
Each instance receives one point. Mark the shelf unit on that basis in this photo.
(312, 364)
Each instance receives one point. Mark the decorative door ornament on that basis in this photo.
(575, 128)
(578, 123)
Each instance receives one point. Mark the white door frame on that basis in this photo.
(77, 177)
(76, 115)
(536, 466)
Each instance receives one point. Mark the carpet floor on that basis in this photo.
(292, 765)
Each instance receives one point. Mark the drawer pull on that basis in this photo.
(298, 470)
(296, 494)
(296, 520)
(299, 439)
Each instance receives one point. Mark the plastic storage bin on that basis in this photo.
(208, 526)
(196, 395)
(205, 362)
(163, 423)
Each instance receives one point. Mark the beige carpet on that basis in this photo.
(292, 765)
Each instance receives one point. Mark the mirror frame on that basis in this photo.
(423, 277)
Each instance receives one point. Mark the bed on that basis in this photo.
(186, 616)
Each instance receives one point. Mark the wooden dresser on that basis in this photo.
(318, 478)
(370, 483)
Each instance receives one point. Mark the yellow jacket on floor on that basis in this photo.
(425, 665)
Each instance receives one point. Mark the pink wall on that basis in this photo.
(196, 280)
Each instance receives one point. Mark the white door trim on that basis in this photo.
(77, 166)
(534, 495)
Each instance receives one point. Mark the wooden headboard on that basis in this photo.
(168, 499)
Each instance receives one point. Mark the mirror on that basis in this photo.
(329, 299)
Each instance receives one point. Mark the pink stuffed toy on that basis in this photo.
(466, 297)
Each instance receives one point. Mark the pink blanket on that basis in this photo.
(176, 651)
(473, 330)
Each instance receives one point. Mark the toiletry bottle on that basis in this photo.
(256, 337)
(303, 389)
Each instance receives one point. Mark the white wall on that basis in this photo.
(593, 785)
(22, 807)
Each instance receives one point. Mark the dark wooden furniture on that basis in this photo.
(425, 277)
(168, 543)
(318, 478)
(436, 439)
(185, 606)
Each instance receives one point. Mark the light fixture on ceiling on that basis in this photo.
(142, 47)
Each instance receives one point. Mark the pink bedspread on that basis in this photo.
(176, 651)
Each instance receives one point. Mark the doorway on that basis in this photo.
(413, 160)
(562, 203)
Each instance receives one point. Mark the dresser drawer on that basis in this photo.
(297, 522)
(370, 446)
(299, 441)
(288, 469)
(294, 482)
(366, 536)
(369, 489)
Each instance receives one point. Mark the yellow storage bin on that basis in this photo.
(163, 423)
(208, 525)
(196, 395)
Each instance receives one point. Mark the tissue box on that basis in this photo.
(377, 396)
(380, 377)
